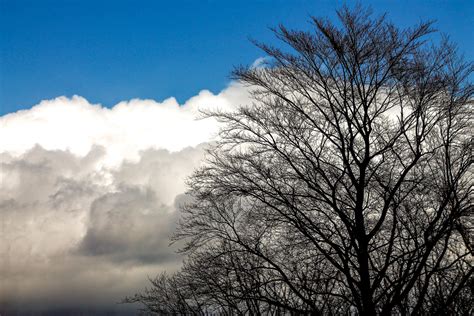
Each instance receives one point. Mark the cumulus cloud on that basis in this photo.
(88, 196)
(127, 128)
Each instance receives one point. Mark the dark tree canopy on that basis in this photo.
(345, 188)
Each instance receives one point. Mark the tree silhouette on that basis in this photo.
(346, 187)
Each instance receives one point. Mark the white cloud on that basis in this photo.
(88, 195)
(125, 129)
(260, 62)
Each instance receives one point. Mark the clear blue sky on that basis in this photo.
(109, 51)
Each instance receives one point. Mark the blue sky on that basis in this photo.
(109, 51)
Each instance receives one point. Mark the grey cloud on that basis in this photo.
(76, 233)
(130, 225)
(161, 170)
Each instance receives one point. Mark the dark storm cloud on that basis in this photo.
(130, 225)
(77, 232)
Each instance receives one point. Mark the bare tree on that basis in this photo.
(346, 187)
